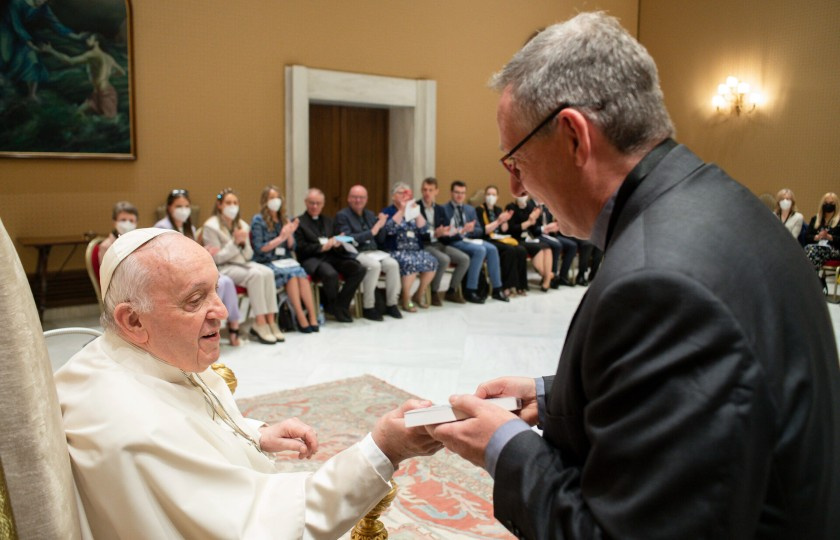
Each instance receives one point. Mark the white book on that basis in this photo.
(440, 414)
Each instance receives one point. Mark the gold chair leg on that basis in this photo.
(369, 527)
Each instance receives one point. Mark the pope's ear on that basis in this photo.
(129, 323)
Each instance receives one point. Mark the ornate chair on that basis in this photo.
(37, 494)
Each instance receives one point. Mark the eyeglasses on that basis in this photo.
(509, 162)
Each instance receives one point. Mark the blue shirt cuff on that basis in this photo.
(500, 438)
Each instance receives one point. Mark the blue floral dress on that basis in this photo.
(403, 243)
(286, 266)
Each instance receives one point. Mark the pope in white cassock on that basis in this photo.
(158, 447)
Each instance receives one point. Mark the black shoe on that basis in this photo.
(581, 281)
(315, 327)
(305, 329)
(342, 315)
(393, 311)
(372, 315)
(564, 282)
(499, 295)
(472, 297)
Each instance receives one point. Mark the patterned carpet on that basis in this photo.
(442, 496)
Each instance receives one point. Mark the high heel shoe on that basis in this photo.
(305, 329)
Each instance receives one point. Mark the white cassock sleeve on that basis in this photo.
(150, 461)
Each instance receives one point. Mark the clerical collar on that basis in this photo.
(598, 237)
(633, 180)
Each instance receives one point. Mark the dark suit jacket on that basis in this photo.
(308, 245)
(349, 223)
(440, 220)
(697, 392)
(469, 215)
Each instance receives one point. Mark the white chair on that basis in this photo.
(71, 341)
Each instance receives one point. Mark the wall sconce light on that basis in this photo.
(737, 96)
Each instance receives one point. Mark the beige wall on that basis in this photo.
(210, 99)
(790, 51)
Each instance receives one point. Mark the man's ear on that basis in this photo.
(575, 130)
(129, 323)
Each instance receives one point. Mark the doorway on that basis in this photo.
(348, 146)
(411, 106)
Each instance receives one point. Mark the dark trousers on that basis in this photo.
(513, 263)
(328, 272)
(588, 255)
(563, 251)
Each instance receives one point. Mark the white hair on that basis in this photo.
(130, 283)
(593, 64)
(399, 186)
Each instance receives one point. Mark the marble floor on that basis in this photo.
(432, 353)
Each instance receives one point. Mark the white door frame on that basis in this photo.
(411, 131)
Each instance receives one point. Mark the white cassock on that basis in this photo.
(151, 461)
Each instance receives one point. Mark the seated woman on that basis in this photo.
(822, 241)
(178, 212)
(402, 241)
(523, 226)
(513, 258)
(124, 217)
(225, 236)
(786, 211)
(273, 239)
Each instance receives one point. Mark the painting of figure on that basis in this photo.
(65, 79)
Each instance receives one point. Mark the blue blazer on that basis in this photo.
(469, 215)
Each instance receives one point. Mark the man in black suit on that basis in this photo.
(697, 392)
(324, 257)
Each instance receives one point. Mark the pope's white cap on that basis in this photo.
(124, 246)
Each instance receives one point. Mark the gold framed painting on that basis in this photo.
(66, 79)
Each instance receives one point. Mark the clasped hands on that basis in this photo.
(468, 438)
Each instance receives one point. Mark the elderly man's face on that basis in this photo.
(314, 204)
(357, 199)
(183, 326)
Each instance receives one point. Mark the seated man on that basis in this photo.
(465, 234)
(368, 233)
(157, 445)
(322, 256)
(436, 228)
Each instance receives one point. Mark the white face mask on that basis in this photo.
(182, 213)
(231, 211)
(785, 204)
(490, 200)
(125, 226)
(522, 201)
(274, 204)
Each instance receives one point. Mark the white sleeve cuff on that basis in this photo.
(377, 459)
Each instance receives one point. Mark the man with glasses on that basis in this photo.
(465, 235)
(368, 232)
(323, 256)
(693, 398)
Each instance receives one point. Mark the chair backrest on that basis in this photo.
(92, 265)
(33, 449)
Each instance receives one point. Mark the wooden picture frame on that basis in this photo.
(66, 79)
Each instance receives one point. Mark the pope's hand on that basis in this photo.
(468, 438)
(289, 435)
(398, 442)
